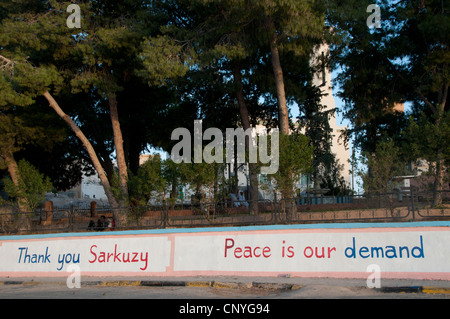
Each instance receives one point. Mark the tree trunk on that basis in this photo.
(24, 217)
(13, 170)
(439, 112)
(95, 161)
(253, 167)
(440, 163)
(120, 154)
(283, 114)
(438, 180)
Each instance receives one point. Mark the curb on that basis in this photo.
(415, 289)
(435, 290)
(199, 283)
(121, 283)
(241, 285)
(412, 289)
(165, 283)
(220, 285)
(274, 286)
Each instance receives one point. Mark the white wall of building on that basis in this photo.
(92, 188)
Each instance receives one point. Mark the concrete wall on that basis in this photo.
(401, 250)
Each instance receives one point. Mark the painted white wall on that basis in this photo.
(416, 251)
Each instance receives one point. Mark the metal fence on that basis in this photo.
(323, 209)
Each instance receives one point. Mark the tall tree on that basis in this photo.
(21, 123)
(224, 48)
(110, 46)
(243, 38)
(48, 61)
(314, 121)
(405, 60)
(289, 26)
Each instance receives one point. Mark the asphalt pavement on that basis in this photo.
(248, 287)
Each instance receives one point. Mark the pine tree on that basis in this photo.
(115, 41)
(405, 60)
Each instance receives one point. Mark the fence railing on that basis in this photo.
(323, 209)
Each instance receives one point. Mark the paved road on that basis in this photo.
(52, 291)
(220, 288)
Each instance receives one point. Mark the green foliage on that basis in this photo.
(32, 186)
(314, 121)
(295, 155)
(382, 166)
(162, 60)
(426, 140)
(201, 177)
(423, 137)
(155, 176)
(169, 62)
(403, 61)
(148, 181)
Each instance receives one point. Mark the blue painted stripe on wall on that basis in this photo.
(235, 228)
